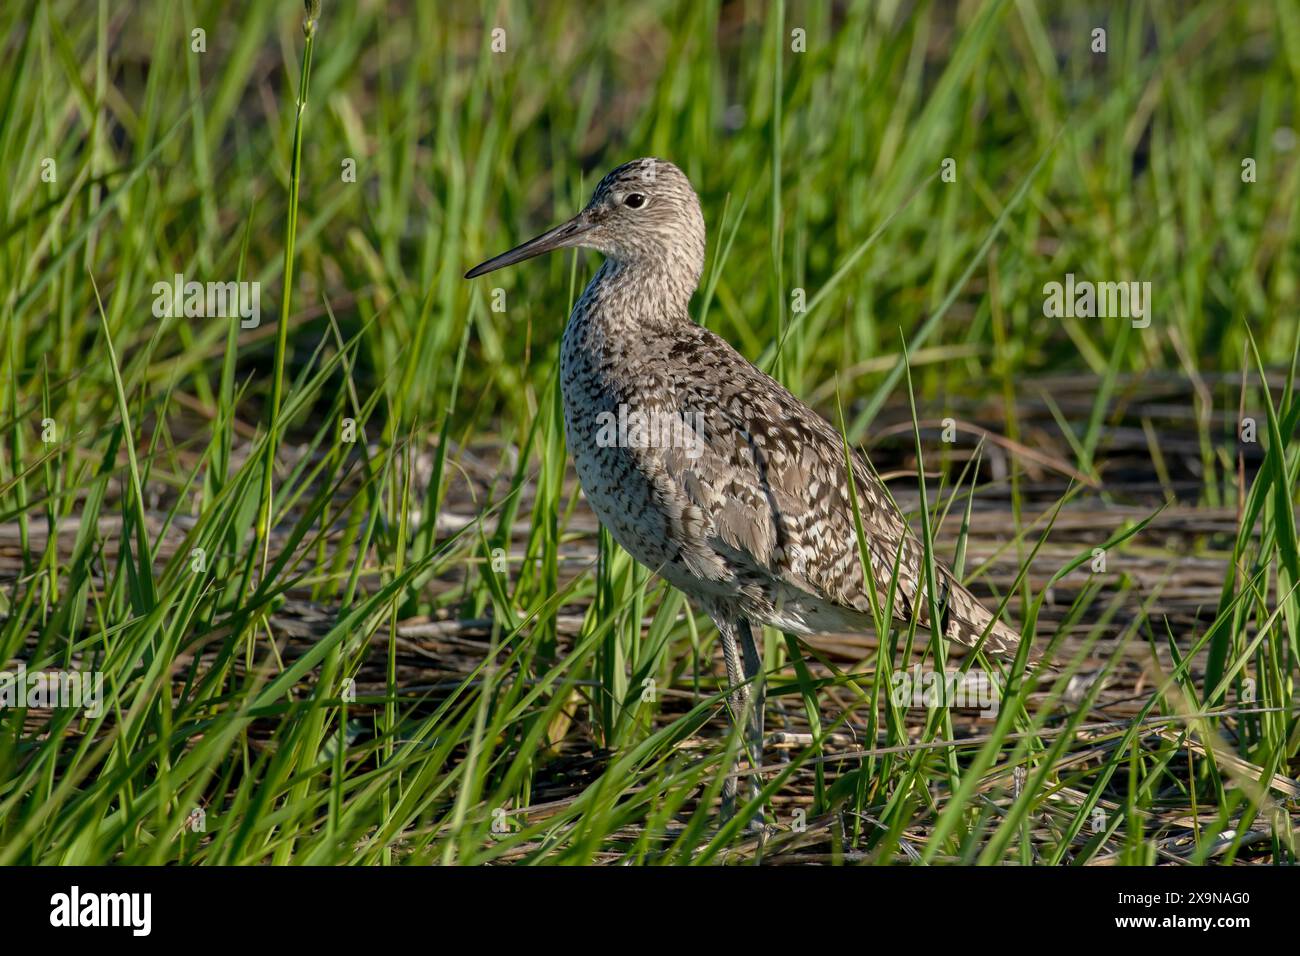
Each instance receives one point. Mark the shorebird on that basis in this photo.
(729, 486)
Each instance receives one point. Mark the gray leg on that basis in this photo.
(752, 659)
(738, 699)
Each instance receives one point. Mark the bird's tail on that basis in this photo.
(965, 620)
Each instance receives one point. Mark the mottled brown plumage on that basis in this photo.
(734, 490)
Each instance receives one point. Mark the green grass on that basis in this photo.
(231, 524)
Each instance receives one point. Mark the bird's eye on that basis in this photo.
(634, 200)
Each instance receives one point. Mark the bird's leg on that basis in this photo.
(752, 659)
(745, 676)
(738, 698)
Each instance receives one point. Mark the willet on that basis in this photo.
(726, 484)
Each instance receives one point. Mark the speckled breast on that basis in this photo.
(618, 480)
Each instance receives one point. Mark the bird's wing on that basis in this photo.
(770, 477)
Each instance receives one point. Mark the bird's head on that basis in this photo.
(644, 214)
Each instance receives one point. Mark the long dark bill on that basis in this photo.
(557, 238)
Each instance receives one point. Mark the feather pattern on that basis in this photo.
(746, 502)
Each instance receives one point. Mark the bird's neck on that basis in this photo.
(639, 295)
